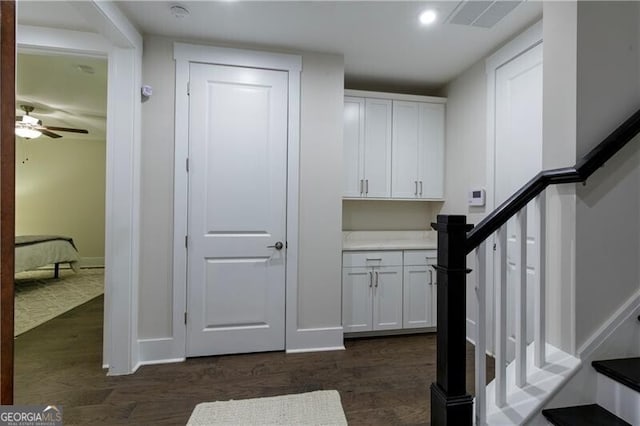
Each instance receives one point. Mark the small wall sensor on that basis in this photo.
(147, 90)
(477, 197)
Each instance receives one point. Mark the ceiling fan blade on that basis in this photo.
(50, 134)
(66, 129)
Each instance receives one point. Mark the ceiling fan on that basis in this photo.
(30, 127)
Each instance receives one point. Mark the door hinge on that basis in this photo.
(188, 88)
(185, 317)
(186, 241)
(187, 164)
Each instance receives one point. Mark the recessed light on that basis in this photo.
(428, 17)
(179, 11)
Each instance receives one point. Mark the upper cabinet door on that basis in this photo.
(406, 138)
(431, 151)
(353, 147)
(377, 148)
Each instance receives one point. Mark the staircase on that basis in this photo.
(618, 397)
(525, 381)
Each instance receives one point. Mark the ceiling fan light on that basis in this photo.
(25, 130)
(29, 120)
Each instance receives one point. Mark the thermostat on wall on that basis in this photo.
(476, 197)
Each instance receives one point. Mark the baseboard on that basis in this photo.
(315, 340)
(157, 351)
(631, 308)
(92, 262)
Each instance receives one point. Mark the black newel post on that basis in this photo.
(450, 403)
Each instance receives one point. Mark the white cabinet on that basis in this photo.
(371, 291)
(393, 146)
(367, 147)
(417, 150)
(420, 288)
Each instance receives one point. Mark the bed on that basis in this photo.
(34, 251)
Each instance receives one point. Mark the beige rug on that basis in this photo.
(40, 297)
(313, 408)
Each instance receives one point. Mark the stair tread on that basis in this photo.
(583, 415)
(625, 371)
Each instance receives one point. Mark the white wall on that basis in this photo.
(368, 215)
(319, 292)
(60, 190)
(607, 208)
(558, 150)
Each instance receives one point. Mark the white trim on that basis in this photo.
(528, 39)
(395, 96)
(92, 262)
(124, 52)
(314, 339)
(157, 351)
(631, 308)
(183, 55)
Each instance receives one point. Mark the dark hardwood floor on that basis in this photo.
(381, 380)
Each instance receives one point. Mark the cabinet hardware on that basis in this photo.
(361, 186)
(366, 185)
(370, 279)
(416, 192)
(376, 280)
(421, 188)
(374, 258)
(430, 277)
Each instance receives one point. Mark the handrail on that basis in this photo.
(584, 168)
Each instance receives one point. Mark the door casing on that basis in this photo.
(184, 54)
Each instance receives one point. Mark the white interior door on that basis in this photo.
(518, 158)
(237, 209)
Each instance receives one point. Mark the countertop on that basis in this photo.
(389, 240)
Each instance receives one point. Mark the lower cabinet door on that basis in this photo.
(418, 297)
(387, 298)
(357, 287)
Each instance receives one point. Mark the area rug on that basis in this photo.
(312, 408)
(40, 297)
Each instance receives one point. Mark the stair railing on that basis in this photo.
(450, 402)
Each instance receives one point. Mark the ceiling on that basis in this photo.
(382, 41)
(64, 91)
(384, 46)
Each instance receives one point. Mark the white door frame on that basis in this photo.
(527, 40)
(183, 55)
(121, 44)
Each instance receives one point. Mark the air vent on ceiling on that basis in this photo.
(484, 14)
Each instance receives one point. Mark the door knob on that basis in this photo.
(277, 246)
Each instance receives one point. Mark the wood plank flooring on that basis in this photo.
(381, 380)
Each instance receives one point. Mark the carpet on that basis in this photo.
(40, 297)
(312, 408)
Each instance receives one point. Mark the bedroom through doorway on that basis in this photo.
(60, 174)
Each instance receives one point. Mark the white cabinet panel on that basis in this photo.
(417, 297)
(377, 148)
(371, 259)
(418, 150)
(431, 151)
(367, 148)
(353, 147)
(387, 298)
(356, 299)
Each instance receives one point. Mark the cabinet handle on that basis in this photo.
(421, 188)
(370, 279)
(366, 186)
(376, 280)
(430, 277)
(361, 183)
(374, 258)
(416, 193)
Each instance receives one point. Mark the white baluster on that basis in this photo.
(501, 317)
(540, 290)
(481, 336)
(521, 298)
